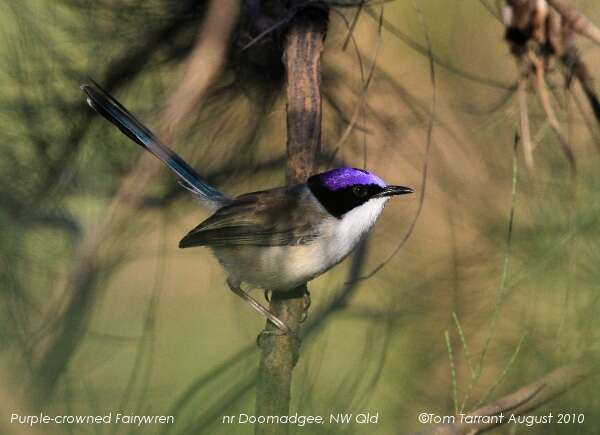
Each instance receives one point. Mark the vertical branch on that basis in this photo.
(302, 57)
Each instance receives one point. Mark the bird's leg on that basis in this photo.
(267, 298)
(307, 302)
(235, 287)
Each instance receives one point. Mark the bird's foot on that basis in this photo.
(280, 324)
(276, 333)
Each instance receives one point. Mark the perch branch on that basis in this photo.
(302, 56)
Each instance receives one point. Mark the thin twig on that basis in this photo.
(202, 65)
(491, 11)
(524, 116)
(503, 374)
(501, 287)
(452, 371)
(592, 128)
(94, 253)
(463, 340)
(505, 262)
(351, 27)
(363, 96)
(520, 402)
(576, 20)
(545, 102)
(429, 142)
(395, 31)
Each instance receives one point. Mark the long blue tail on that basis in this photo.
(103, 103)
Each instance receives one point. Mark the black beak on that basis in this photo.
(394, 190)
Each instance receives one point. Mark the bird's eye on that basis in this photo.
(360, 191)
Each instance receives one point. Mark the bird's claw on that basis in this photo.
(307, 301)
(276, 333)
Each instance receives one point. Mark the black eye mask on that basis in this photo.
(341, 201)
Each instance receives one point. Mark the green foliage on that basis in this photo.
(455, 319)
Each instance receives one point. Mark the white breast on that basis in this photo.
(286, 267)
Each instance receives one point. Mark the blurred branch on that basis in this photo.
(118, 72)
(302, 58)
(351, 27)
(544, 98)
(203, 63)
(576, 20)
(95, 254)
(522, 401)
(501, 290)
(12, 401)
(524, 115)
(425, 51)
(577, 68)
(428, 143)
(224, 372)
(491, 10)
(592, 128)
(536, 34)
(363, 96)
(141, 370)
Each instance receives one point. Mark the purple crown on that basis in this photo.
(341, 178)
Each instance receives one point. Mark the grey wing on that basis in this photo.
(277, 217)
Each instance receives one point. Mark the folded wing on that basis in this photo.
(277, 217)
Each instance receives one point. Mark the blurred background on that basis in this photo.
(446, 306)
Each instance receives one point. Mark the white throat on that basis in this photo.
(342, 235)
(360, 219)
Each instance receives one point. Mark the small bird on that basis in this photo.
(276, 239)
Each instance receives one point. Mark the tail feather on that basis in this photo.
(103, 103)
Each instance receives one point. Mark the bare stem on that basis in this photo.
(302, 58)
